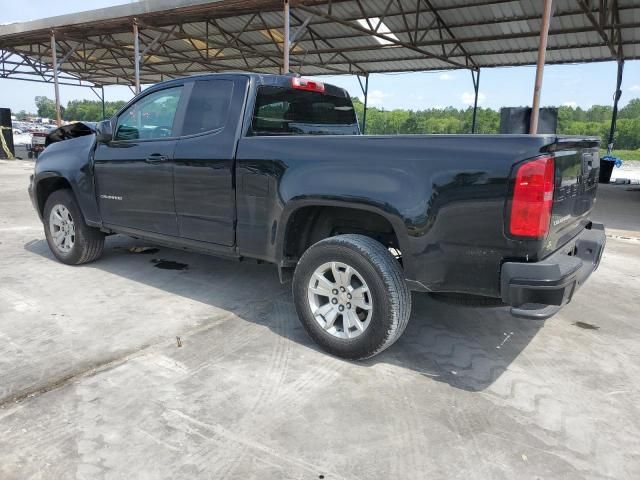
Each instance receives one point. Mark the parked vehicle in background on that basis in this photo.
(273, 168)
(38, 139)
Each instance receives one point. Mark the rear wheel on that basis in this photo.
(70, 239)
(351, 296)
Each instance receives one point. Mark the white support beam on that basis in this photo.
(149, 48)
(475, 77)
(542, 53)
(365, 93)
(67, 56)
(54, 62)
(287, 44)
(136, 55)
(300, 30)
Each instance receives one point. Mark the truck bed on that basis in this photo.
(446, 194)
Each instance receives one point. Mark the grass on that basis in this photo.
(624, 155)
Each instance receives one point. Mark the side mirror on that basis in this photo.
(103, 131)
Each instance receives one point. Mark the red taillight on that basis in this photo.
(532, 198)
(305, 84)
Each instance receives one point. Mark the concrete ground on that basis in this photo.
(629, 170)
(94, 383)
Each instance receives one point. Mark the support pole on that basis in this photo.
(365, 92)
(136, 55)
(614, 114)
(476, 88)
(54, 61)
(286, 45)
(542, 52)
(366, 97)
(104, 115)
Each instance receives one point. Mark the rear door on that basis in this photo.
(204, 159)
(134, 172)
(577, 167)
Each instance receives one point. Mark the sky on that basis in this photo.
(576, 85)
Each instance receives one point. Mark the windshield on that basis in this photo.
(288, 111)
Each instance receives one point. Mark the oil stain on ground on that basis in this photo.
(144, 250)
(169, 264)
(586, 326)
(141, 250)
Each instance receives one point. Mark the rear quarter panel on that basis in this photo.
(444, 195)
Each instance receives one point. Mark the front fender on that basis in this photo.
(71, 160)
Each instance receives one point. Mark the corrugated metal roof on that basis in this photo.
(180, 37)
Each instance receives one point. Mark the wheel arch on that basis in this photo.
(49, 182)
(301, 219)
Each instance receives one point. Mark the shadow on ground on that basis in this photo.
(467, 348)
(617, 207)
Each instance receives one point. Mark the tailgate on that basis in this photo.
(577, 167)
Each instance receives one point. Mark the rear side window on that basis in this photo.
(288, 111)
(208, 106)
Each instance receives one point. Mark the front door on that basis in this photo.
(134, 172)
(204, 193)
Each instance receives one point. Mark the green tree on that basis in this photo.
(627, 134)
(46, 107)
(411, 125)
(599, 113)
(594, 121)
(90, 110)
(397, 120)
(77, 110)
(631, 110)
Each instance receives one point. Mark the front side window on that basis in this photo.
(288, 111)
(150, 117)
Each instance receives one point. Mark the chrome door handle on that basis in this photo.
(156, 158)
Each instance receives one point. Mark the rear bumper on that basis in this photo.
(538, 290)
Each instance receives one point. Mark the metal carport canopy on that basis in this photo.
(181, 37)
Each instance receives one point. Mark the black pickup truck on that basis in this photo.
(274, 168)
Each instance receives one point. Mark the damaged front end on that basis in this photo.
(72, 130)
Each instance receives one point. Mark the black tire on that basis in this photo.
(389, 293)
(88, 243)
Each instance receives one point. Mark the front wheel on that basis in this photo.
(70, 239)
(351, 296)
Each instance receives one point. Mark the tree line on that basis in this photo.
(571, 120)
(76, 110)
(594, 121)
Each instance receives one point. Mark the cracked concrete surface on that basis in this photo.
(93, 384)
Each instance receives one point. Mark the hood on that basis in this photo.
(67, 132)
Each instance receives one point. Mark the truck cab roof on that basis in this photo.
(255, 78)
